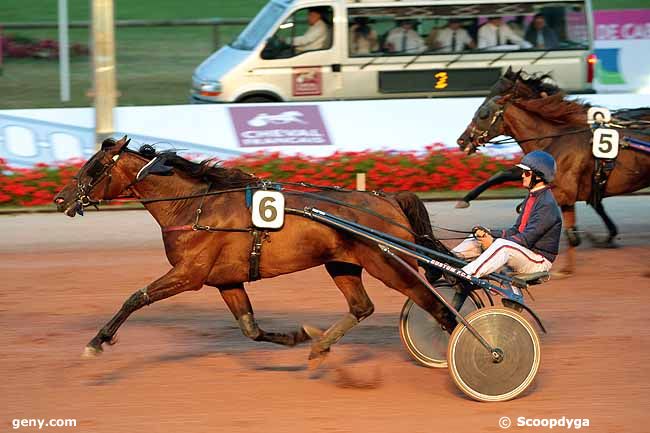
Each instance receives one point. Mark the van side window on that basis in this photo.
(483, 27)
(308, 29)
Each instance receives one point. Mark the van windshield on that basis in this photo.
(483, 27)
(256, 29)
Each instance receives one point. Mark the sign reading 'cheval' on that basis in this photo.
(286, 125)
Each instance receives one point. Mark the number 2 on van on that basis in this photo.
(441, 80)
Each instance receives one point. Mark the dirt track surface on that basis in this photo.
(182, 365)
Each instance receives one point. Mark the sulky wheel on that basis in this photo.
(421, 334)
(473, 367)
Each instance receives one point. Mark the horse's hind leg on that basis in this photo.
(611, 227)
(239, 304)
(348, 279)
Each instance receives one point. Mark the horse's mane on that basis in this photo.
(556, 108)
(526, 92)
(208, 170)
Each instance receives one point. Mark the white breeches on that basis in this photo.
(501, 252)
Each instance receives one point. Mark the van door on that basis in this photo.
(302, 60)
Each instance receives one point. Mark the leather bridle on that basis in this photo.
(478, 136)
(84, 190)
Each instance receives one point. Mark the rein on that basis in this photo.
(542, 137)
(225, 191)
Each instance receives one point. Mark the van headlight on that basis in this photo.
(212, 88)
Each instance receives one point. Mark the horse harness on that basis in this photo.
(259, 235)
(603, 167)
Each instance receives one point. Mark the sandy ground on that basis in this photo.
(183, 366)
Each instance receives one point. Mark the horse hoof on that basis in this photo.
(112, 341)
(91, 352)
(462, 204)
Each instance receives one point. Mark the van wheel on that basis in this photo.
(257, 99)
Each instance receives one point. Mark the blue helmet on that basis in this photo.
(541, 163)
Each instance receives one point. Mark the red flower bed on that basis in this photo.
(34, 186)
(437, 169)
(20, 47)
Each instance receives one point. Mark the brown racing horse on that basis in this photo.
(537, 87)
(221, 257)
(538, 116)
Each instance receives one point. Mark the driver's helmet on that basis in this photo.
(541, 163)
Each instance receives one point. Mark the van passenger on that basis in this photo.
(404, 38)
(454, 38)
(495, 33)
(541, 35)
(362, 38)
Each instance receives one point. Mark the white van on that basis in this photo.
(303, 50)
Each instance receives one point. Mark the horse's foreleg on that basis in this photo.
(509, 175)
(573, 237)
(611, 227)
(172, 283)
(239, 304)
(348, 279)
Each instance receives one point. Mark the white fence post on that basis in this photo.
(361, 181)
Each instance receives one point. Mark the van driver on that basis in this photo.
(317, 35)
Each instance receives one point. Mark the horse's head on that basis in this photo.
(486, 124)
(107, 175)
(96, 180)
(510, 86)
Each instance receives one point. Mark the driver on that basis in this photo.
(317, 35)
(532, 244)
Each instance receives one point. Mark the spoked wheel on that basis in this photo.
(474, 368)
(422, 335)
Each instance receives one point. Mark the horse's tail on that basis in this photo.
(418, 217)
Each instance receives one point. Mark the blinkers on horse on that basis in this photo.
(487, 122)
(92, 174)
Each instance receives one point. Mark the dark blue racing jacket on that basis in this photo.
(539, 226)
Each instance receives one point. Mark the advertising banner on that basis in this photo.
(622, 42)
(286, 125)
